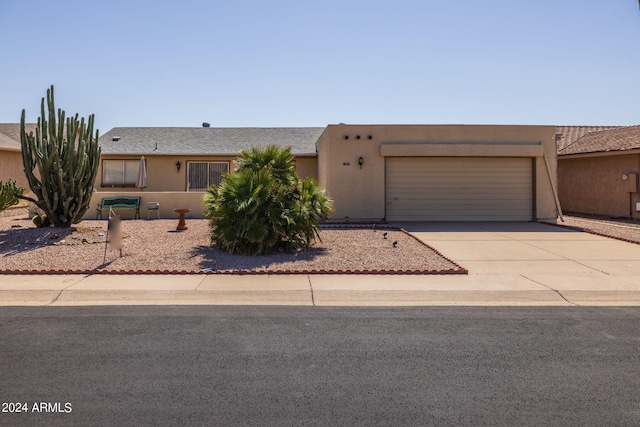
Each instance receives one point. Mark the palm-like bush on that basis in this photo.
(264, 207)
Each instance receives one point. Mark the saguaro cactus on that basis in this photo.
(66, 155)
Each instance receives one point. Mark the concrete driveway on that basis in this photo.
(583, 268)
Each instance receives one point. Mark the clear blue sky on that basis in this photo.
(311, 63)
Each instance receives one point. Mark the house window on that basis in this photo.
(120, 172)
(202, 175)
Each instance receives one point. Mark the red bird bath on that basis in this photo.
(182, 223)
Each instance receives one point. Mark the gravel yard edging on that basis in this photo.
(443, 267)
(594, 232)
(597, 233)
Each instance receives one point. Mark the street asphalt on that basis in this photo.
(549, 334)
(280, 366)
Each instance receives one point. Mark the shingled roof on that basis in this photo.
(10, 135)
(206, 141)
(613, 139)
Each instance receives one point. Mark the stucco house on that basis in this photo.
(181, 163)
(372, 172)
(598, 172)
(11, 156)
(10, 153)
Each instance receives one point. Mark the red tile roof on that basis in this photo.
(613, 139)
(570, 134)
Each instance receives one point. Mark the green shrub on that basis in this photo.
(263, 207)
(9, 193)
(41, 221)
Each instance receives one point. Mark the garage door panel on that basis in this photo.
(452, 202)
(480, 185)
(459, 189)
(445, 213)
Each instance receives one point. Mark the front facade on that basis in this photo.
(372, 172)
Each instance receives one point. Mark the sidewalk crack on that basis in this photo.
(564, 298)
(313, 301)
(201, 282)
(551, 289)
(67, 287)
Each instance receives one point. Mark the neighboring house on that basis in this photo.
(11, 153)
(567, 135)
(598, 172)
(372, 172)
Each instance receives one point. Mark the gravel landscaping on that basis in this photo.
(618, 228)
(156, 246)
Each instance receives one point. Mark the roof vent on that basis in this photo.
(115, 138)
(205, 125)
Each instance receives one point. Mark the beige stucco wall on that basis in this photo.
(11, 167)
(307, 166)
(359, 193)
(162, 174)
(165, 185)
(594, 184)
(168, 200)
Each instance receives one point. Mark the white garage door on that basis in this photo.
(459, 189)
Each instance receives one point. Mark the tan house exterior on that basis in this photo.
(372, 172)
(439, 172)
(11, 166)
(10, 153)
(165, 148)
(598, 173)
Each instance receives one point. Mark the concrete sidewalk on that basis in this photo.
(508, 263)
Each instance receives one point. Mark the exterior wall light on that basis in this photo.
(178, 165)
(360, 161)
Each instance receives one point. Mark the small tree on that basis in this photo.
(9, 193)
(66, 155)
(264, 207)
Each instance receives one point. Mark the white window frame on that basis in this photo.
(206, 181)
(112, 164)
